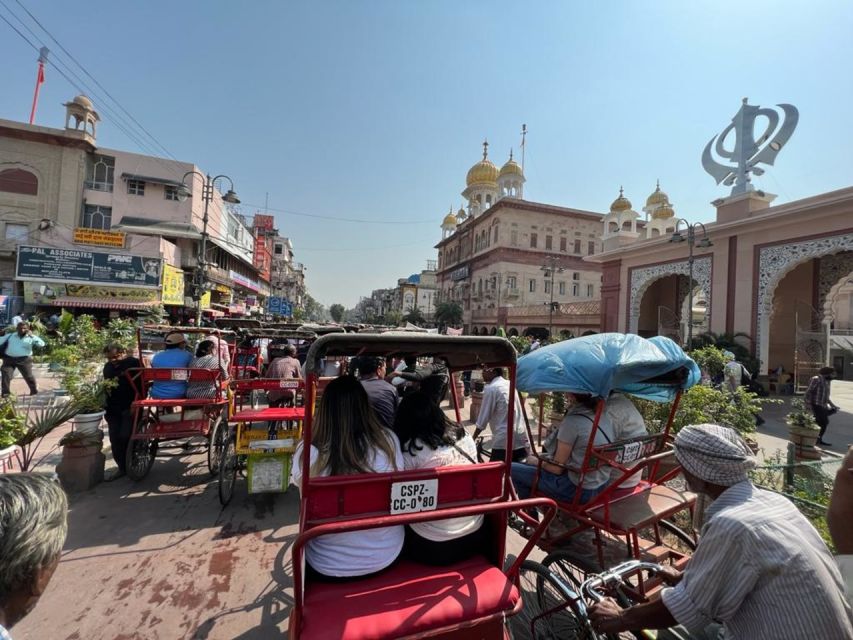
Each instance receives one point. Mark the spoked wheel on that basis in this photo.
(567, 568)
(216, 443)
(549, 608)
(228, 469)
(141, 453)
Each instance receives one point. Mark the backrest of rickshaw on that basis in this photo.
(628, 452)
(267, 384)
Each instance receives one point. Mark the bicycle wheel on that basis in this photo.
(228, 469)
(216, 443)
(549, 610)
(566, 566)
(141, 453)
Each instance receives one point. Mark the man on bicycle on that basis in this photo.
(760, 568)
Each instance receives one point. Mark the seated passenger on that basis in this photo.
(628, 423)
(408, 365)
(174, 356)
(206, 357)
(382, 395)
(286, 367)
(429, 439)
(566, 445)
(349, 439)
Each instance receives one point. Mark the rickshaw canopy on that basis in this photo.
(653, 369)
(459, 352)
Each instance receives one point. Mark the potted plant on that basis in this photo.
(803, 431)
(82, 464)
(27, 425)
(88, 391)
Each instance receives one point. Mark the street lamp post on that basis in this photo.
(497, 282)
(550, 269)
(208, 189)
(704, 243)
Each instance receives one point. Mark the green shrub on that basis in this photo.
(12, 424)
(703, 404)
(710, 360)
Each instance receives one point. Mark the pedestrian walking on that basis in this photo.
(18, 355)
(817, 399)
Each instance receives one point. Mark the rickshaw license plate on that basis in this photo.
(411, 497)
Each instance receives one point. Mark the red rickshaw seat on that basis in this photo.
(407, 600)
(178, 402)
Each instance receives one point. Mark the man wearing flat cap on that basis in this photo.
(760, 570)
(817, 400)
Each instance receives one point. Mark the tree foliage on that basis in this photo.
(415, 316)
(337, 312)
(448, 313)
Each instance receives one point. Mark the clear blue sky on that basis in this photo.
(376, 110)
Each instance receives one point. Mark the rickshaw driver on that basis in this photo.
(760, 569)
(493, 414)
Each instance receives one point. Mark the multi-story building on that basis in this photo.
(96, 228)
(288, 276)
(518, 264)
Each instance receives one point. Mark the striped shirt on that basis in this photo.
(817, 394)
(763, 572)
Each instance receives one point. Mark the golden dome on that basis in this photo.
(620, 204)
(657, 197)
(449, 219)
(461, 215)
(663, 212)
(511, 168)
(484, 172)
(83, 101)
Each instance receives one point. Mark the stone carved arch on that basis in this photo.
(774, 263)
(835, 271)
(643, 277)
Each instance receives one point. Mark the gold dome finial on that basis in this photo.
(657, 198)
(484, 172)
(485, 149)
(621, 203)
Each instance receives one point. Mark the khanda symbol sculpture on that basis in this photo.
(748, 151)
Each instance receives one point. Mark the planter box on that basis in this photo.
(81, 468)
(476, 401)
(804, 443)
(87, 422)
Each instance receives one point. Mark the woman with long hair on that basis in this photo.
(565, 447)
(347, 438)
(429, 439)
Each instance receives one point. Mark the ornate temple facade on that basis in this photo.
(517, 264)
(778, 274)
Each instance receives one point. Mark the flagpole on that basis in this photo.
(523, 138)
(39, 81)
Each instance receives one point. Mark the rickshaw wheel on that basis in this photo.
(140, 458)
(549, 611)
(567, 567)
(228, 470)
(216, 443)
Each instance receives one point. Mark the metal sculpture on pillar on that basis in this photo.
(748, 151)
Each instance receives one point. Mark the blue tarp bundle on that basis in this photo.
(607, 362)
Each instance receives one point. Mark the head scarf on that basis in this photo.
(714, 454)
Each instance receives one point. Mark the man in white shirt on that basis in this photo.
(628, 423)
(493, 414)
(760, 569)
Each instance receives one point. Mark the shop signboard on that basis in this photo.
(243, 281)
(41, 292)
(459, 274)
(204, 302)
(173, 286)
(99, 237)
(49, 264)
(264, 222)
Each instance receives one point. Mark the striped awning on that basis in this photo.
(101, 303)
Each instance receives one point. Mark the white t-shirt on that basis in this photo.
(493, 413)
(354, 553)
(628, 423)
(444, 456)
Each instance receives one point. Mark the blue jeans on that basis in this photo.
(559, 487)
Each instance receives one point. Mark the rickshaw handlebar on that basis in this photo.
(615, 576)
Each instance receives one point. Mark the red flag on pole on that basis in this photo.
(39, 81)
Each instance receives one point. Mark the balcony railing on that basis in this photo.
(98, 186)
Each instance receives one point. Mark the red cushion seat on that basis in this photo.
(407, 599)
(269, 413)
(177, 402)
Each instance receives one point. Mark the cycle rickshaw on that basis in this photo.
(469, 599)
(157, 420)
(633, 531)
